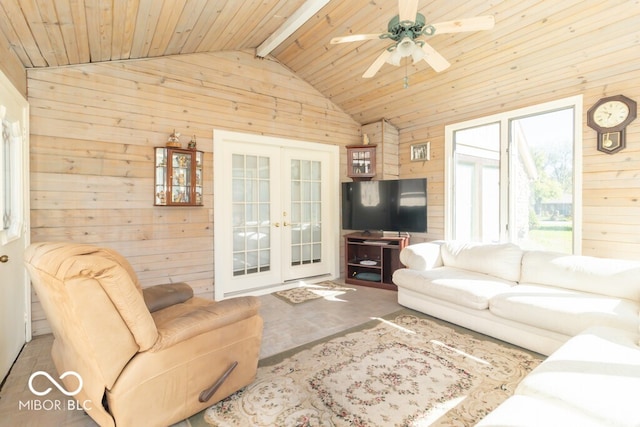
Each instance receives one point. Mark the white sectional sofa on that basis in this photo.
(582, 311)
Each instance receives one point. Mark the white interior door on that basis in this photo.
(250, 252)
(305, 210)
(274, 220)
(14, 207)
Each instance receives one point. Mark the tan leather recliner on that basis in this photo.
(140, 368)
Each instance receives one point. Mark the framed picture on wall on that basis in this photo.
(421, 152)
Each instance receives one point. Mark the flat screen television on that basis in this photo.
(389, 205)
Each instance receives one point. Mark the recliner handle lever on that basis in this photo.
(207, 393)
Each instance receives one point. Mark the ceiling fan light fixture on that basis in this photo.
(405, 47)
(395, 57)
(417, 54)
(405, 31)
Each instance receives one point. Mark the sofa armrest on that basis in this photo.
(162, 296)
(180, 322)
(422, 256)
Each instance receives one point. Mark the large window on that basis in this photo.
(515, 177)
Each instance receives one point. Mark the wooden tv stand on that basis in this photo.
(371, 259)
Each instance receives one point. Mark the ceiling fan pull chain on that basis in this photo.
(406, 75)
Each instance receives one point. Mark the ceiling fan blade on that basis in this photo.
(469, 24)
(377, 64)
(433, 58)
(354, 38)
(407, 10)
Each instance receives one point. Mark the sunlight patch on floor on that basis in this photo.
(395, 325)
(460, 352)
(438, 410)
(321, 289)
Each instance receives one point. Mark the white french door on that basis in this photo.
(306, 224)
(274, 220)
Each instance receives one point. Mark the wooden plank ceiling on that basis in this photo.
(46, 33)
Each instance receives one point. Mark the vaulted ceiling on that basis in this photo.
(527, 33)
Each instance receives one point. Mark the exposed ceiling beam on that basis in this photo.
(295, 21)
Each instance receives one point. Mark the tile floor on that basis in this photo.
(285, 326)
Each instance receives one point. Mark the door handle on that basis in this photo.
(4, 258)
(277, 224)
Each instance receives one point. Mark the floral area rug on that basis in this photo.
(401, 370)
(310, 291)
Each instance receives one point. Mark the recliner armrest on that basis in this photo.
(198, 315)
(162, 296)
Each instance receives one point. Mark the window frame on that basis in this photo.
(504, 119)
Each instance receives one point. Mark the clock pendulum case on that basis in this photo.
(610, 117)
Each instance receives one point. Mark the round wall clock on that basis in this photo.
(610, 117)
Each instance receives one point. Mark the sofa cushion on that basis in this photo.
(614, 277)
(562, 310)
(500, 260)
(422, 256)
(597, 372)
(466, 288)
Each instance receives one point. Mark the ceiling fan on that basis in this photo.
(406, 28)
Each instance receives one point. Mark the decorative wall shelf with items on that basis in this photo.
(178, 176)
(361, 162)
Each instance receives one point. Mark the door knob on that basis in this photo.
(4, 258)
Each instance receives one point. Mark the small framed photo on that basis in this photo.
(421, 152)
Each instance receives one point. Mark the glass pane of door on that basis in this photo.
(6, 177)
(251, 206)
(306, 212)
(542, 180)
(11, 185)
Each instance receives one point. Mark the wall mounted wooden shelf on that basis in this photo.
(361, 162)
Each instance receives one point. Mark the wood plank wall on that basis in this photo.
(386, 137)
(611, 183)
(11, 66)
(93, 129)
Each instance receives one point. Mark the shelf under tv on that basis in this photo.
(378, 247)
